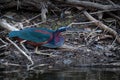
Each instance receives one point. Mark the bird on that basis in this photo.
(37, 36)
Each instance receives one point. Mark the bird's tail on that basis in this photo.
(13, 34)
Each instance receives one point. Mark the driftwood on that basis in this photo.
(103, 26)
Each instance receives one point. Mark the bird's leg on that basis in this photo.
(41, 53)
(36, 50)
(22, 44)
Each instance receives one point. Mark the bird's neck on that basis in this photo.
(56, 33)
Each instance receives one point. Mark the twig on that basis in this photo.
(5, 44)
(20, 24)
(91, 33)
(43, 13)
(7, 26)
(13, 71)
(18, 4)
(104, 11)
(39, 23)
(31, 19)
(103, 26)
(36, 24)
(28, 57)
(111, 2)
(39, 65)
(81, 23)
(115, 16)
(90, 4)
(9, 64)
(114, 41)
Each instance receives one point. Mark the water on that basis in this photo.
(71, 74)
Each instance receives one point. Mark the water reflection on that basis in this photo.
(77, 74)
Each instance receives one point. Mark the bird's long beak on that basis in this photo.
(62, 29)
(68, 28)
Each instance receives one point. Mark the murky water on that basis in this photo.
(76, 74)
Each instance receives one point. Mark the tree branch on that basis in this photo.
(89, 4)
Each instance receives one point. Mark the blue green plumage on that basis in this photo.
(41, 36)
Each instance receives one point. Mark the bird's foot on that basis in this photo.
(41, 53)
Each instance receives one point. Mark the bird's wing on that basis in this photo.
(33, 34)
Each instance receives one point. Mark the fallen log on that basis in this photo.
(103, 26)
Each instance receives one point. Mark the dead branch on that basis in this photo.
(28, 57)
(13, 71)
(102, 11)
(7, 26)
(113, 15)
(90, 4)
(103, 26)
(111, 2)
(37, 5)
(39, 65)
(4, 43)
(10, 64)
(33, 5)
(80, 23)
